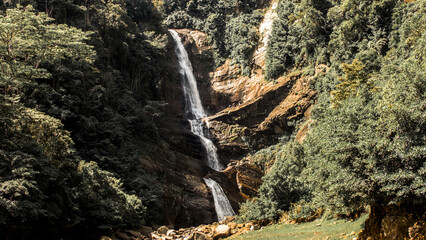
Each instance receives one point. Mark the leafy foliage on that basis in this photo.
(53, 80)
(355, 78)
(40, 180)
(299, 36)
(28, 42)
(281, 186)
(241, 38)
(364, 147)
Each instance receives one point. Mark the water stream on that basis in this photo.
(194, 109)
(195, 114)
(221, 202)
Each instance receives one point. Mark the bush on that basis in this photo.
(281, 186)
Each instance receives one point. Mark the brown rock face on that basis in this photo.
(178, 160)
(201, 55)
(254, 124)
(248, 178)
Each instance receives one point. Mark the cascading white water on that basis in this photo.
(195, 115)
(195, 110)
(221, 202)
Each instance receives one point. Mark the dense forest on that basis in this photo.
(78, 90)
(81, 83)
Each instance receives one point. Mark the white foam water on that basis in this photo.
(194, 107)
(221, 202)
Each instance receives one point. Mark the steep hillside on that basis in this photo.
(88, 143)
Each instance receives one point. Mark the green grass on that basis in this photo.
(328, 229)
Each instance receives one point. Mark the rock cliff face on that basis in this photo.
(246, 114)
(178, 159)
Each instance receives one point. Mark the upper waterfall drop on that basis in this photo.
(194, 108)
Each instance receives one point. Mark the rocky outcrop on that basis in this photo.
(201, 55)
(253, 125)
(221, 231)
(177, 159)
(249, 112)
(227, 83)
(239, 181)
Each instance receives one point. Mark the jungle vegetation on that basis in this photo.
(75, 77)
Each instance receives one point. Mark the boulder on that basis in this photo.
(232, 225)
(255, 227)
(155, 236)
(171, 233)
(222, 231)
(162, 230)
(418, 230)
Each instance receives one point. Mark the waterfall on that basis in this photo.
(195, 114)
(194, 109)
(221, 202)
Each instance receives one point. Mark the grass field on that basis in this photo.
(320, 229)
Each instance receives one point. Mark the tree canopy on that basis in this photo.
(29, 41)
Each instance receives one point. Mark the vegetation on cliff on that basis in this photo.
(366, 144)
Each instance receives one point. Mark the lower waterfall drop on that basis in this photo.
(195, 114)
(221, 202)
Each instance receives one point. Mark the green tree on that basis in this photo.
(29, 41)
(359, 25)
(37, 168)
(44, 183)
(241, 38)
(355, 78)
(281, 186)
(370, 150)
